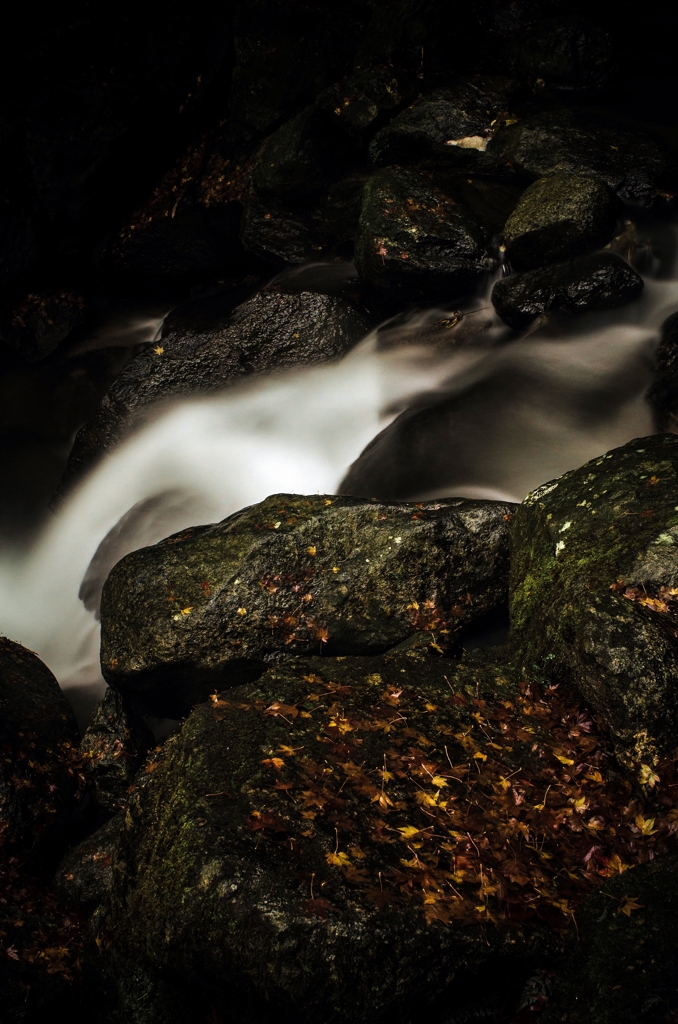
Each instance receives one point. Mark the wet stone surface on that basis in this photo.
(600, 281)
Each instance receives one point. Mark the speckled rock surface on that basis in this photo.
(630, 161)
(594, 573)
(227, 891)
(84, 876)
(623, 961)
(116, 742)
(599, 281)
(559, 217)
(296, 575)
(269, 331)
(414, 242)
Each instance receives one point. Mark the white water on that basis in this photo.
(299, 432)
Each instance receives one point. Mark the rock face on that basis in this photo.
(115, 742)
(269, 331)
(414, 242)
(622, 962)
(563, 55)
(600, 281)
(35, 325)
(296, 160)
(37, 732)
(84, 876)
(559, 217)
(205, 608)
(593, 595)
(356, 104)
(630, 161)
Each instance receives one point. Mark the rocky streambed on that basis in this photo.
(309, 791)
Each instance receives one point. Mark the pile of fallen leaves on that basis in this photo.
(35, 928)
(516, 815)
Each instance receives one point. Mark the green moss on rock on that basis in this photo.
(593, 576)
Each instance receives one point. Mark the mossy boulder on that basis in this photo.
(622, 966)
(594, 579)
(295, 574)
(115, 744)
(559, 217)
(343, 839)
(298, 159)
(599, 281)
(414, 242)
(631, 161)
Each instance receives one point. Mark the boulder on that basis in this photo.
(452, 124)
(293, 574)
(339, 842)
(600, 281)
(115, 744)
(492, 202)
(298, 159)
(559, 217)
(269, 331)
(36, 324)
(85, 875)
(563, 55)
(622, 962)
(19, 234)
(630, 160)
(38, 737)
(357, 104)
(275, 233)
(663, 395)
(594, 579)
(337, 214)
(414, 242)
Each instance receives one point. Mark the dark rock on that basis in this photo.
(115, 743)
(269, 331)
(594, 575)
(358, 103)
(559, 217)
(40, 321)
(622, 962)
(19, 235)
(414, 242)
(287, 907)
(298, 159)
(599, 281)
(85, 875)
(337, 215)
(452, 124)
(286, 54)
(563, 55)
(663, 395)
(206, 607)
(631, 161)
(492, 202)
(38, 734)
(276, 234)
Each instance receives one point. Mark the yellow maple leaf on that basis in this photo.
(338, 860)
(274, 762)
(439, 781)
(646, 825)
(408, 831)
(627, 905)
(647, 776)
(564, 760)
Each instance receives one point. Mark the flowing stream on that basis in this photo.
(511, 417)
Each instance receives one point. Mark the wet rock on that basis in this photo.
(594, 578)
(452, 124)
(337, 214)
(85, 875)
(295, 575)
(599, 281)
(277, 234)
(622, 962)
(414, 242)
(359, 102)
(562, 55)
(298, 159)
(559, 217)
(663, 395)
(40, 321)
(115, 743)
(492, 202)
(299, 907)
(630, 161)
(38, 734)
(269, 331)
